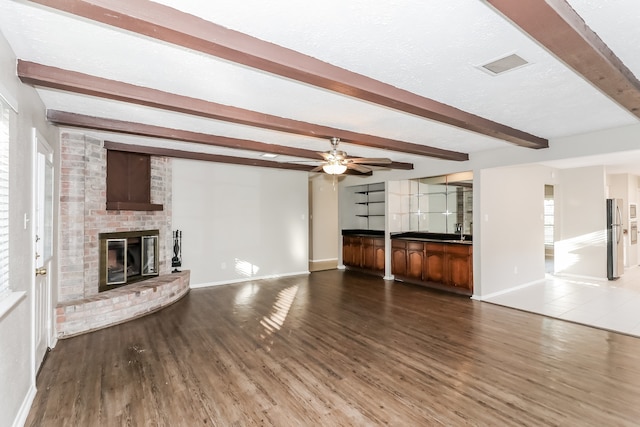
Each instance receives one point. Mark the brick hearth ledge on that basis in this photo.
(120, 305)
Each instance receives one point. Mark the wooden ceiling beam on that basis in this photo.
(216, 158)
(170, 25)
(63, 118)
(72, 81)
(556, 26)
(181, 154)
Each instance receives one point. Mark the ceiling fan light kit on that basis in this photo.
(334, 168)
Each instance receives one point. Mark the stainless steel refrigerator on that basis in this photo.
(615, 255)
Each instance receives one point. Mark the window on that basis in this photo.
(5, 127)
(549, 213)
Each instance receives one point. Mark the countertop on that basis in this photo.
(361, 232)
(433, 237)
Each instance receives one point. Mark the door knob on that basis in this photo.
(41, 271)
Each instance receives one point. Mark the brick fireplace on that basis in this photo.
(83, 216)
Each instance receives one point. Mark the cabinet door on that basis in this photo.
(399, 257)
(459, 266)
(434, 262)
(368, 253)
(350, 251)
(378, 246)
(415, 260)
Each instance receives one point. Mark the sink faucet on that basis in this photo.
(460, 230)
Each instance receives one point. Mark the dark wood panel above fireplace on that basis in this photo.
(129, 182)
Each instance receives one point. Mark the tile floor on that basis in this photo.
(611, 305)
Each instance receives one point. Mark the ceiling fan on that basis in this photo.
(337, 162)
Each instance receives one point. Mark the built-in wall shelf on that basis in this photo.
(370, 191)
(369, 205)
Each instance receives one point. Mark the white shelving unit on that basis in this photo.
(369, 206)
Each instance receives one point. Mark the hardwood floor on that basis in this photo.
(339, 348)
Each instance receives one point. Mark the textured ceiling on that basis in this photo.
(431, 48)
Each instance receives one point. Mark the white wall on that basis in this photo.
(16, 381)
(581, 248)
(324, 218)
(510, 246)
(240, 222)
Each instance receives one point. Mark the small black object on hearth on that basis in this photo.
(176, 261)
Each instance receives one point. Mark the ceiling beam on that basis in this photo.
(57, 78)
(557, 27)
(167, 152)
(173, 26)
(191, 155)
(63, 118)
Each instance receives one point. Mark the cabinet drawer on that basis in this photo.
(415, 246)
(402, 244)
(459, 249)
(434, 247)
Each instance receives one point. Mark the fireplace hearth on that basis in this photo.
(127, 257)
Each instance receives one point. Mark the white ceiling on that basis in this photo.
(430, 47)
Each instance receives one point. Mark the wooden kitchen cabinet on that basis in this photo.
(351, 248)
(446, 266)
(435, 262)
(399, 257)
(378, 257)
(368, 253)
(415, 260)
(459, 261)
(363, 253)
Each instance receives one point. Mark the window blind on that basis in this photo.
(5, 129)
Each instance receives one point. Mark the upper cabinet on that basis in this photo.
(439, 204)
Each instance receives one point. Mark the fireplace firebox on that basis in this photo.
(127, 257)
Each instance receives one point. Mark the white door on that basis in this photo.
(43, 236)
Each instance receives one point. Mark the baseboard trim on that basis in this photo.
(323, 264)
(324, 260)
(247, 279)
(23, 413)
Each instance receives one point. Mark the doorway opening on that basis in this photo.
(549, 228)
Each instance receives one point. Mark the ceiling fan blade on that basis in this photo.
(380, 161)
(358, 168)
(316, 169)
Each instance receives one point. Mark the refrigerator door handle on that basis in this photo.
(619, 221)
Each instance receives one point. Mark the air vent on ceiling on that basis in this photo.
(505, 64)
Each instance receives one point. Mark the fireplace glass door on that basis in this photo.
(149, 258)
(117, 261)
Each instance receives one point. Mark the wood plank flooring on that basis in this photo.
(339, 349)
